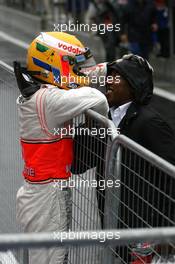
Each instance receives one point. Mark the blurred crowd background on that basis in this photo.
(147, 26)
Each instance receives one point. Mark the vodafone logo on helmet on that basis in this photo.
(70, 48)
(59, 44)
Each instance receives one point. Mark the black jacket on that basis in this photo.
(144, 189)
(146, 127)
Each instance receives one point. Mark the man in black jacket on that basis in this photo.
(141, 122)
(146, 194)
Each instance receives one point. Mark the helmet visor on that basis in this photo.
(88, 63)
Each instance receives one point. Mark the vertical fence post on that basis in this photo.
(112, 198)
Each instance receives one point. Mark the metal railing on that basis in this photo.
(140, 191)
(160, 236)
(84, 238)
(145, 198)
(91, 145)
(117, 186)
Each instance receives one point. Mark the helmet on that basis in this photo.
(57, 58)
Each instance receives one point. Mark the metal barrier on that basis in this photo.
(116, 184)
(145, 198)
(138, 193)
(101, 240)
(91, 145)
(120, 237)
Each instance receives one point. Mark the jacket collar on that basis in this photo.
(131, 113)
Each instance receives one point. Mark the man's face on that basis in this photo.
(118, 92)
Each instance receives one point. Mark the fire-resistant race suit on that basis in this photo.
(42, 205)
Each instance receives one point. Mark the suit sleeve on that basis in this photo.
(69, 104)
(97, 70)
(96, 75)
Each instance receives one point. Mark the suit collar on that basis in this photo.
(131, 113)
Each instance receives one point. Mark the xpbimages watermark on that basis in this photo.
(82, 131)
(100, 28)
(87, 183)
(93, 79)
(93, 235)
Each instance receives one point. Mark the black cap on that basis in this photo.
(139, 74)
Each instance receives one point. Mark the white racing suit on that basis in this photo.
(42, 205)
